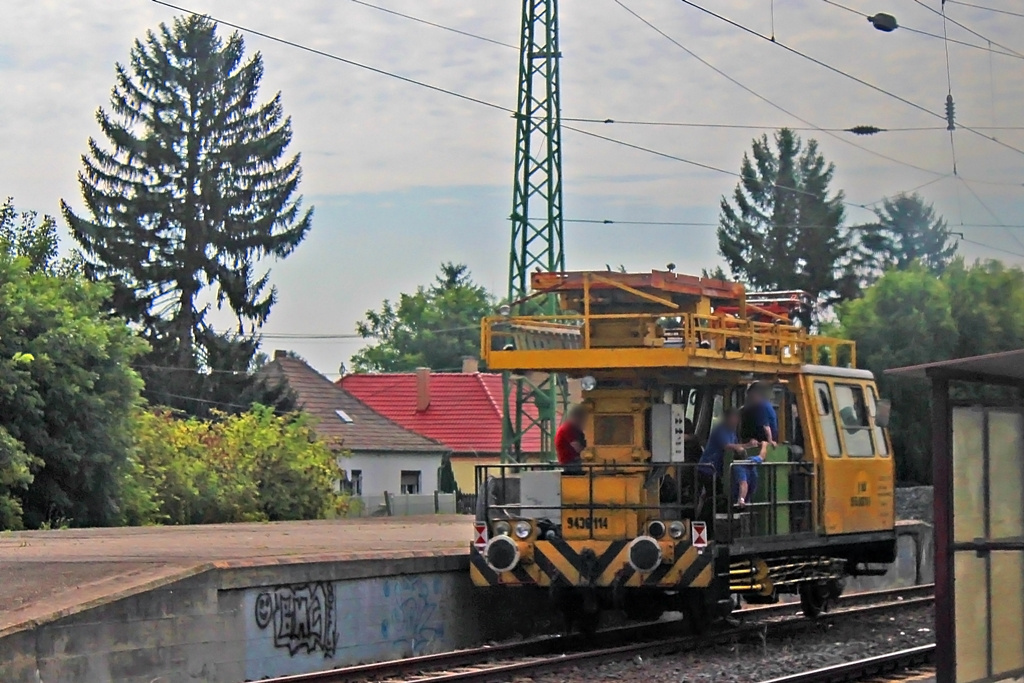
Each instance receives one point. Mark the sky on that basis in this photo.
(404, 178)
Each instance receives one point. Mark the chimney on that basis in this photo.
(280, 353)
(470, 365)
(422, 389)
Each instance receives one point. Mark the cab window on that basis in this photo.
(827, 419)
(880, 445)
(853, 415)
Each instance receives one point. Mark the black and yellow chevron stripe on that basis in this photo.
(598, 564)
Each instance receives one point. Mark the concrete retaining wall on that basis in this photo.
(915, 561)
(231, 624)
(227, 624)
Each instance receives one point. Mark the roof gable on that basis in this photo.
(465, 411)
(330, 405)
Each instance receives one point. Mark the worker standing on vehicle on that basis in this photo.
(570, 440)
(760, 423)
(723, 438)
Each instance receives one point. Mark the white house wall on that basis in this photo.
(383, 472)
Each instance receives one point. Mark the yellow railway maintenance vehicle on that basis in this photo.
(659, 356)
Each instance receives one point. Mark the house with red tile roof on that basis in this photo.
(462, 410)
(376, 453)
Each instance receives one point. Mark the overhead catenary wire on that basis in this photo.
(492, 105)
(845, 74)
(992, 213)
(337, 58)
(904, 27)
(987, 9)
(763, 98)
(770, 102)
(480, 101)
(964, 27)
(435, 25)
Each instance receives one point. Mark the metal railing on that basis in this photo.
(702, 336)
(782, 503)
(679, 491)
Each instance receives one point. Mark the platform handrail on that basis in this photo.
(700, 336)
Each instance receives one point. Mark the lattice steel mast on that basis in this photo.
(536, 213)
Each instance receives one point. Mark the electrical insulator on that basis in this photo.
(950, 113)
(864, 130)
(884, 22)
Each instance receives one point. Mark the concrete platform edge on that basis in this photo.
(136, 589)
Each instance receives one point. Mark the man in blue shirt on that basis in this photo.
(758, 422)
(712, 462)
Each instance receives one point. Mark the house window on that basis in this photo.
(343, 416)
(357, 482)
(410, 481)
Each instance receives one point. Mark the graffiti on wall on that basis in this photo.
(301, 617)
(415, 622)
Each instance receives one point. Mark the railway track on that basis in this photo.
(904, 665)
(503, 661)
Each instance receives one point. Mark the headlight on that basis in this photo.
(656, 529)
(523, 530)
(588, 383)
(502, 528)
(676, 529)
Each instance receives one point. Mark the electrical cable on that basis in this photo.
(987, 9)
(930, 35)
(966, 28)
(949, 93)
(337, 58)
(992, 213)
(764, 99)
(453, 93)
(440, 26)
(485, 103)
(844, 74)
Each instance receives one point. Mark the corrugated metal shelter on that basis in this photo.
(978, 472)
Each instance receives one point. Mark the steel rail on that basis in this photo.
(865, 668)
(554, 652)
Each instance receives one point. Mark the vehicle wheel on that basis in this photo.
(813, 599)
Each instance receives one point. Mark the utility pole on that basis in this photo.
(536, 215)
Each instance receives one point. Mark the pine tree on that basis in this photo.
(783, 229)
(907, 230)
(192, 192)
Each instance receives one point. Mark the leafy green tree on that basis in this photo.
(987, 304)
(913, 316)
(904, 319)
(191, 191)
(24, 235)
(783, 228)
(907, 230)
(435, 327)
(254, 466)
(67, 391)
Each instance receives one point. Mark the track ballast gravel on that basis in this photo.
(827, 644)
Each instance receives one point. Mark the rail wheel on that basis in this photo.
(814, 599)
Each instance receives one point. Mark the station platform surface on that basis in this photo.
(46, 573)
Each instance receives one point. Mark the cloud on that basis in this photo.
(369, 140)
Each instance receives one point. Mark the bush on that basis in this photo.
(255, 466)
